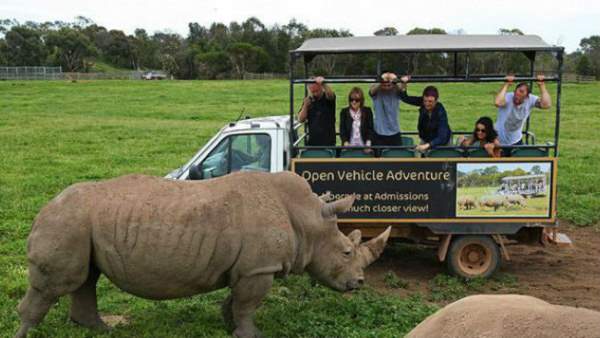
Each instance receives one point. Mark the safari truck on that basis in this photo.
(456, 198)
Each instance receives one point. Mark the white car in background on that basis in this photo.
(154, 75)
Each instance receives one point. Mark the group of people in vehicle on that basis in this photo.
(360, 126)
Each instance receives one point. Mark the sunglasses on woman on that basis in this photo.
(479, 130)
(354, 99)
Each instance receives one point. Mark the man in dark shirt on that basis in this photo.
(433, 119)
(319, 110)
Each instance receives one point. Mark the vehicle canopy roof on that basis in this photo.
(426, 43)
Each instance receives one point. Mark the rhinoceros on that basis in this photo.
(499, 316)
(516, 200)
(163, 239)
(492, 201)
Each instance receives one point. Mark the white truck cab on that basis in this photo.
(253, 144)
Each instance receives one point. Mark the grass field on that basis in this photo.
(53, 134)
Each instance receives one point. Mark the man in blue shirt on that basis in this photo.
(515, 108)
(386, 102)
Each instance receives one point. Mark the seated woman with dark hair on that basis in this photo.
(485, 136)
(433, 119)
(356, 121)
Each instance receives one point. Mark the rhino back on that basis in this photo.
(164, 239)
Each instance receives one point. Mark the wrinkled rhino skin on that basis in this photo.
(164, 239)
(499, 316)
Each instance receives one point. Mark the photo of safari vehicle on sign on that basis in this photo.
(503, 189)
(415, 189)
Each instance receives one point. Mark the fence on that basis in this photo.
(264, 76)
(572, 77)
(133, 75)
(30, 73)
(56, 73)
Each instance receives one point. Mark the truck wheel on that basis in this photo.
(473, 256)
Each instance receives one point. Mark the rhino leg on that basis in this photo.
(227, 312)
(84, 306)
(59, 264)
(32, 309)
(245, 299)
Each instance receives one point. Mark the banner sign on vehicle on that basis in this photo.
(401, 190)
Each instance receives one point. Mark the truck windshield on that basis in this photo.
(248, 152)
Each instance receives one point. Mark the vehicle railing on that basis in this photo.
(528, 136)
(371, 79)
(412, 147)
(300, 139)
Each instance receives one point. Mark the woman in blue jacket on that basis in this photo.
(433, 120)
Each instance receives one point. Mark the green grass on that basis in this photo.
(53, 134)
(445, 288)
(293, 308)
(392, 280)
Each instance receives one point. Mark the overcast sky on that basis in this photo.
(564, 23)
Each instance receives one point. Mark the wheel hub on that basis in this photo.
(474, 259)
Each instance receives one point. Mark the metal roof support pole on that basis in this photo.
(306, 69)
(378, 65)
(455, 64)
(559, 57)
(291, 133)
(531, 73)
(467, 75)
(306, 77)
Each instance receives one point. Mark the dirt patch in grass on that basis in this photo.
(559, 275)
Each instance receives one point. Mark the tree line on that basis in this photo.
(230, 51)
(491, 176)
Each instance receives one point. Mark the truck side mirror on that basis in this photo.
(195, 172)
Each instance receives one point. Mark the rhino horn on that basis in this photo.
(326, 197)
(371, 250)
(337, 207)
(355, 237)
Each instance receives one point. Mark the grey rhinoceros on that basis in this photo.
(164, 239)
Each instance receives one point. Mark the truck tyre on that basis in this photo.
(471, 256)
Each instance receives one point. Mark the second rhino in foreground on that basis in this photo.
(499, 316)
(163, 239)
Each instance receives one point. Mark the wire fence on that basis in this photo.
(133, 75)
(572, 77)
(31, 73)
(265, 76)
(56, 73)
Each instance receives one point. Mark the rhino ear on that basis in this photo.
(371, 250)
(355, 236)
(340, 206)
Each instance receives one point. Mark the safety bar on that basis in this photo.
(529, 134)
(416, 79)
(521, 146)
